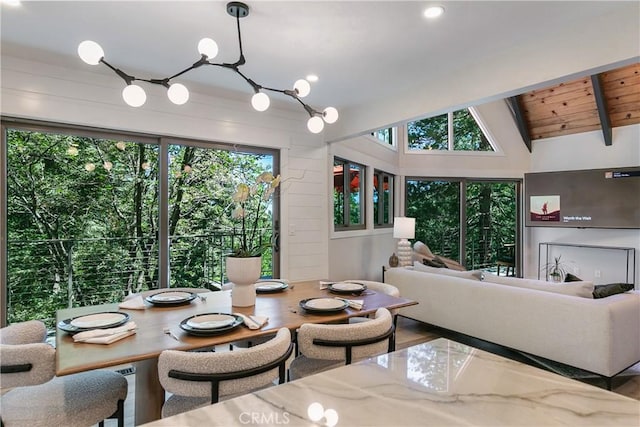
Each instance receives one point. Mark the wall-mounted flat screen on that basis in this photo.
(595, 198)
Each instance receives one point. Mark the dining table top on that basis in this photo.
(282, 310)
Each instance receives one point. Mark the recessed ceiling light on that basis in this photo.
(11, 2)
(433, 11)
(312, 78)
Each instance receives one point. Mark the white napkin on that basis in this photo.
(106, 336)
(324, 284)
(133, 302)
(253, 322)
(356, 304)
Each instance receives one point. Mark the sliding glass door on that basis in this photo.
(472, 221)
(90, 216)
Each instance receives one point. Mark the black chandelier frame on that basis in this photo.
(237, 10)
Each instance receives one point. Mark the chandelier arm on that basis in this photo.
(312, 112)
(203, 60)
(126, 77)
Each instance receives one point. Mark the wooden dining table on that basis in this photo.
(143, 348)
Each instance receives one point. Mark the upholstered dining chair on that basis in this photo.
(322, 347)
(200, 379)
(38, 398)
(383, 288)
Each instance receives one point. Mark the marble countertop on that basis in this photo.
(438, 383)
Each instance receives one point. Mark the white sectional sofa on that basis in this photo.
(598, 335)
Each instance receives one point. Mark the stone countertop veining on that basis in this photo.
(438, 383)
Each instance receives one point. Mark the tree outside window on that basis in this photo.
(348, 194)
(456, 131)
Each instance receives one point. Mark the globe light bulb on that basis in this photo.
(330, 115)
(260, 101)
(134, 95)
(208, 47)
(302, 88)
(331, 416)
(90, 52)
(178, 93)
(315, 412)
(315, 124)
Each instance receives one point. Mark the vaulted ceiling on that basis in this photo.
(379, 62)
(596, 102)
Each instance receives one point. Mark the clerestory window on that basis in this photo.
(386, 136)
(454, 131)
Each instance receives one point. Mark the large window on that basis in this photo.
(454, 131)
(348, 194)
(473, 221)
(382, 199)
(92, 216)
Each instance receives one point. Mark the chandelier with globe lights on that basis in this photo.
(135, 96)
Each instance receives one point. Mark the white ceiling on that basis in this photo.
(362, 51)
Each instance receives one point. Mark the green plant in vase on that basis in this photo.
(556, 270)
(250, 202)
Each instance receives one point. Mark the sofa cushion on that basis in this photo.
(602, 291)
(579, 289)
(474, 275)
(434, 263)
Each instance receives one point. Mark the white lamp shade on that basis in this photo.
(260, 101)
(90, 52)
(178, 93)
(208, 47)
(302, 88)
(315, 124)
(330, 115)
(404, 228)
(134, 95)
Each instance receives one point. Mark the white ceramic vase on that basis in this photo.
(243, 273)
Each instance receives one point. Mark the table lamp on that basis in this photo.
(404, 228)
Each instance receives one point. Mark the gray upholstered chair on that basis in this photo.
(39, 398)
(200, 379)
(323, 347)
(383, 288)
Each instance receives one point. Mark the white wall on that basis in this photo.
(361, 253)
(41, 91)
(585, 151)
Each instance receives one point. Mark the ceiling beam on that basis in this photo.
(518, 116)
(601, 103)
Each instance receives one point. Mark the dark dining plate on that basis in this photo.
(323, 305)
(87, 322)
(351, 288)
(171, 298)
(270, 286)
(185, 325)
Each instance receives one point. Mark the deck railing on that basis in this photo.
(44, 276)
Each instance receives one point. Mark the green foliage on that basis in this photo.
(82, 218)
(490, 218)
(429, 134)
(432, 133)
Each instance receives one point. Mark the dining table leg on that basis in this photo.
(149, 395)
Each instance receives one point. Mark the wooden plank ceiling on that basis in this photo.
(603, 101)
